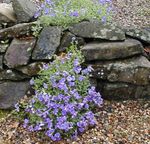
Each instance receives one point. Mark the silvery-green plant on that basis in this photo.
(64, 99)
(66, 12)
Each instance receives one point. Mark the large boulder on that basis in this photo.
(19, 52)
(96, 29)
(12, 75)
(6, 13)
(47, 43)
(112, 50)
(141, 34)
(24, 9)
(123, 91)
(11, 93)
(16, 30)
(135, 71)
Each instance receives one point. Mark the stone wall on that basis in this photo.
(121, 66)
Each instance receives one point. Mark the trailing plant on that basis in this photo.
(66, 12)
(64, 99)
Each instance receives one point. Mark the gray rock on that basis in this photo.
(3, 48)
(24, 9)
(1, 62)
(134, 71)
(6, 13)
(31, 69)
(67, 40)
(141, 34)
(47, 44)
(17, 30)
(123, 91)
(96, 29)
(112, 50)
(12, 75)
(11, 93)
(19, 52)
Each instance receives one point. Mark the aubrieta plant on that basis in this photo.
(66, 12)
(64, 99)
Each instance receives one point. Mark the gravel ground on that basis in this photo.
(126, 122)
(132, 13)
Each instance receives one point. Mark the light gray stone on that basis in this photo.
(96, 29)
(141, 34)
(112, 50)
(24, 9)
(6, 13)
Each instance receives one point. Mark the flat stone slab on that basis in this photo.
(12, 75)
(123, 91)
(16, 30)
(112, 50)
(140, 34)
(47, 44)
(11, 93)
(134, 71)
(24, 9)
(96, 29)
(19, 52)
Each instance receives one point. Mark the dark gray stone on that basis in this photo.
(12, 75)
(141, 34)
(69, 38)
(24, 9)
(134, 70)
(123, 91)
(1, 62)
(17, 30)
(11, 93)
(96, 29)
(19, 52)
(47, 44)
(112, 50)
(31, 69)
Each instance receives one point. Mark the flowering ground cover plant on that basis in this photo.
(64, 99)
(66, 12)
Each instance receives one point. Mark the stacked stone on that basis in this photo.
(120, 67)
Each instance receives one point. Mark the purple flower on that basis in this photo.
(74, 14)
(81, 78)
(31, 82)
(45, 85)
(77, 69)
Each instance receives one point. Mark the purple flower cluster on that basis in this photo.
(49, 8)
(63, 102)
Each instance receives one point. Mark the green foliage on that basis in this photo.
(66, 12)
